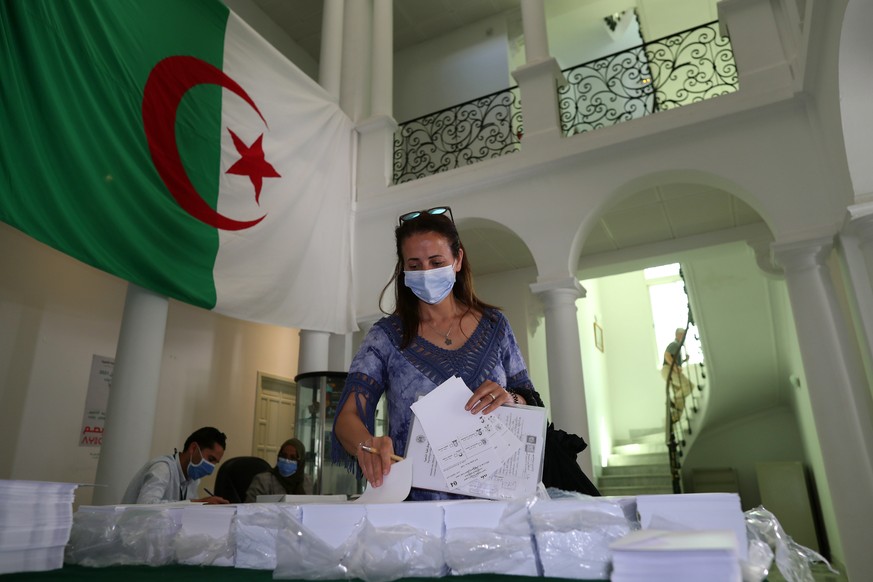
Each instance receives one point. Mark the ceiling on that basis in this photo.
(415, 21)
(664, 213)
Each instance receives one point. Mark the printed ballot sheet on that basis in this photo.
(519, 475)
(467, 447)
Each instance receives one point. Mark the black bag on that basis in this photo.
(560, 469)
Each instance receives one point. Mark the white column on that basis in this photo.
(382, 86)
(130, 412)
(376, 146)
(354, 86)
(339, 352)
(839, 395)
(536, 39)
(538, 79)
(330, 61)
(564, 357)
(856, 249)
(314, 351)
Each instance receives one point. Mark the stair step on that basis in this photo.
(634, 490)
(636, 448)
(643, 433)
(609, 481)
(639, 459)
(650, 438)
(651, 469)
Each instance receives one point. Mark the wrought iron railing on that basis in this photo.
(679, 69)
(484, 128)
(683, 68)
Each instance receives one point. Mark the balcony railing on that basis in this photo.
(680, 69)
(683, 68)
(477, 130)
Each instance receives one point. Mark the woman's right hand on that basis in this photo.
(378, 464)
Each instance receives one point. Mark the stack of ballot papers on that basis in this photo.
(695, 511)
(676, 556)
(35, 522)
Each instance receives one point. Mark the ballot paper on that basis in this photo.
(395, 485)
(467, 447)
(36, 518)
(695, 511)
(676, 556)
(519, 475)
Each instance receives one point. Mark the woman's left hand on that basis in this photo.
(487, 398)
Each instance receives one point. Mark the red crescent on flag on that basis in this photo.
(168, 82)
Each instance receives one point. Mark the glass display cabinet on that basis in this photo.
(318, 394)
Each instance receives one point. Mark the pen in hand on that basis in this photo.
(376, 452)
(208, 492)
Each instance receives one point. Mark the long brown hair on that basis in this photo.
(405, 301)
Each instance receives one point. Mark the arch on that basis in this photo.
(490, 245)
(856, 86)
(666, 179)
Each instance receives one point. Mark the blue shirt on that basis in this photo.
(381, 367)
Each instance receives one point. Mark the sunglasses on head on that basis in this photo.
(435, 211)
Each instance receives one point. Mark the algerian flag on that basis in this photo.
(167, 143)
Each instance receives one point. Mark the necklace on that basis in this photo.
(446, 339)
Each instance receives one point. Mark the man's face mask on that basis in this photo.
(201, 469)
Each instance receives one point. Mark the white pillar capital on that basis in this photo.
(803, 255)
(553, 288)
(314, 351)
(764, 255)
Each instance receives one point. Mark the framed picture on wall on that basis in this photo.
(598, 337)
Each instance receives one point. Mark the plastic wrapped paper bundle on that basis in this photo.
(399, 540)
(489, 537)
(124, 535)
(254, 530)
(573, 534)
(204, 539)
(35, 522)
(317, 545)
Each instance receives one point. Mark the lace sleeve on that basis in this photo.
(366, 382)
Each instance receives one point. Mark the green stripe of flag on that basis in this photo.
(75, 168)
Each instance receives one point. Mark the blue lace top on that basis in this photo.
(381, 367)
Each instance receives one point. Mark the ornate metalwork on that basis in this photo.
(684, 68)
(484, 128)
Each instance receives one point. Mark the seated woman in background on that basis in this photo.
(286, 478)
(439, 329)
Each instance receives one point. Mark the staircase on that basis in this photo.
(637, 467)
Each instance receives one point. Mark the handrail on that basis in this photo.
(678, 421)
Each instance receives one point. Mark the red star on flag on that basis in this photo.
(252, 163)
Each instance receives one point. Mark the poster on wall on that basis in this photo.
(99, 382)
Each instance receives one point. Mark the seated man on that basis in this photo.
(288, 477)
(177, 477)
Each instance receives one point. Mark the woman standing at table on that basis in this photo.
(439, 329)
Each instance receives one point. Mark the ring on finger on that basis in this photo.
(493, 397)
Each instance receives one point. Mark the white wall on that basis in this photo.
(257, 19)
(465, 64)
(660, 18)
(55, 313)
(768, 435)
(636, 390)
(578, 33)
(595, 373)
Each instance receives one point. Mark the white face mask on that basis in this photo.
(433, 285)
